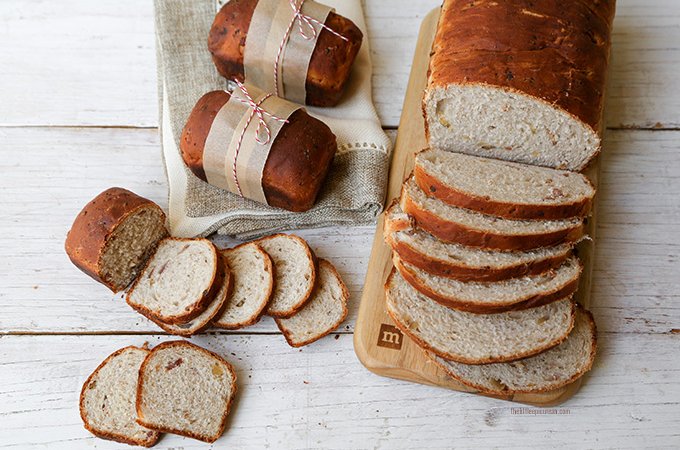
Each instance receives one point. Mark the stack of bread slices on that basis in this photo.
(485, 273)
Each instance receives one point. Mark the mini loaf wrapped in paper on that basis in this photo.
(298, 49)
(258, 146)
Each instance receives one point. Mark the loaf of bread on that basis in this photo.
(519, 80)
(114, 235)
(298, 162)
(330, 64)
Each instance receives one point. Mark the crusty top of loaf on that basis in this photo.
(556, 51)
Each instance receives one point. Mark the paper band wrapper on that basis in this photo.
(268, 26)
(223, 138)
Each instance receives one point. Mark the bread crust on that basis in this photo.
(576, 376)
(330, 64)
(424, 345)
(345, 296)
(103, 434)
(88, 238)
(487, 308)
(508, 210)
(234, 388)
(470, 237)
(299, 160)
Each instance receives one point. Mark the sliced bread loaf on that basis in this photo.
(322, 314)
(424, 251)
(179, 281)
(549, 370)
(476, 338)
(253, 273)
(472, 229)
(294, 273)
(107, 400)
(501, 188)
(186, 390)
(513, 294)
(114, 235)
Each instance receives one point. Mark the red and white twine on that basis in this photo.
(256, 109)
(302, 19)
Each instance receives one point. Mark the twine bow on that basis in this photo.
(261, 124)
(303, 19)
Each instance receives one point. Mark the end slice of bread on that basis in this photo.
(502, 188)
(186, 390)
(253, 274)
(476, 338)
(550, 370)
(322, 314)
(107, 400)
(294, 273)
(424, 251)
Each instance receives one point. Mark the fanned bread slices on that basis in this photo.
(492, 297)
(477, 230)
(476, 338)
(186, 390)
(178, 282)
(107, 401)
(549, 370)
(424, 251)
(294, 273)
(501, 188)
(253, 274)
(322, 314)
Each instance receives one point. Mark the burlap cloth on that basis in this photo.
(354, 192)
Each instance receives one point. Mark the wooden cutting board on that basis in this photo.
(379, 344)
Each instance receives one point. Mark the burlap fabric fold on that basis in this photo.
(354, 192)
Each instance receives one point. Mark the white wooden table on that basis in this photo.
(78, 114)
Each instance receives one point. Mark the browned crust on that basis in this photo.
(308, 295)
(104, 434)
(343, 301)
(330, 64)
(486, 308)
(468, 200)
(460, 271)
(458, 358)
(196, 308)
(576, 376)
(470, 237)
(299, 160)
(89, 235)
(140, 385)
(269, 268)
(553, 51)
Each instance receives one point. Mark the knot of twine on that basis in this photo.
(303, 19)
(261, 125)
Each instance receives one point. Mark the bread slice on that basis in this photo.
(322, 314)
(513, 294)
(549, 370)
(186, 390)
(179, 281)
(477, 230)
(476, 338)
(501, 188)
(107, 400)
(114, 235)
(253, 273)
(424, 251)
(294, 273)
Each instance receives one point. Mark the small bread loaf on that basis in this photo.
(113, 236)
(107, 400)
(186, 390)
(298, 163)
(329, 67)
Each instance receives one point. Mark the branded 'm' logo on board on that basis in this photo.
(390, 337)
